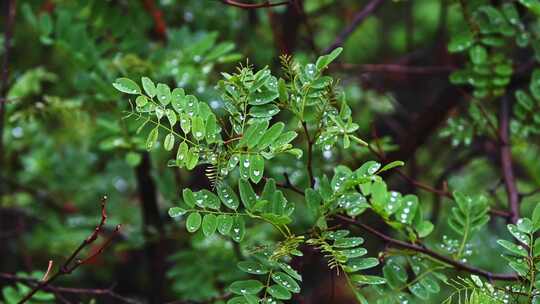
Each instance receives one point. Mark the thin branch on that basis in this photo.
(395, 68)
(417, 248)
(506, 162)
(72, 261)
(256, 5)
(309, 155)
(160, 26)
(11, 9)
(32, 282)
(441, 192)
(357, 20)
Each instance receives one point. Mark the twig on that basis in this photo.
(421, 249)
(441, 192)
(32, 282)
(11, 9)
(254, 6)
(506, 162)
(309, 155)
(72, 261)
(49, 267)
(395, 68)
(160, 27)
(357, 20)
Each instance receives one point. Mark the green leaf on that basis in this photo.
(211, 129)
(460, 42)
(379, 195)
(361, 264)
(182, 153)
(263, 111)
(224, 224)
(209, 224)
(238, 229)
(189, 197)
(290, 271)
(246, 287)
(171, 116)
(354, 252)
(536, 216)
(126, 85)
(525, 225)
(324, 61)
(244, 166)
(185, 123)
(392, 165)
(148, 86)
(256, 168)
(286, 281)
(193, 222)
(478, 54)
(270, 136)
(419, 290)
(168, 143)
(252, 267)
(264, 97)
(228, 196)
(279, 292)
(178, 100)
(141, 101)
(367, 279)
(176, 211)
(254, 134)
(367, 169)
(163, 93)
(248, 196)
(513, 248)
(348, 242)
(152, 138)
(198, 128)
(408, 209)
(192, 158)
(313, 200)
(206, 199)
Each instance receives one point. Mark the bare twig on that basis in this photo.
(421, 249)
(265, 4)
(357, 20)
(395, 68)
(73, 262)
(32, 282)
(309, 155)
(160, 27)
(506, 162)
(11, 9)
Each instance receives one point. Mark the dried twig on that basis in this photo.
(73, 262)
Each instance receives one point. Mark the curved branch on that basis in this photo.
(73, 262)
(506, 162)
(358, 18)
(456, 264)
(254, 6)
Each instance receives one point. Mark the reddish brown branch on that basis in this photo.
(506, 162)
(357, 20)
(396, 68)
(254, 5)
(32, 282)
(72, 262)
(441, 192)
(11, 9)
(160, 26)
(421, 249)
(309, 155)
